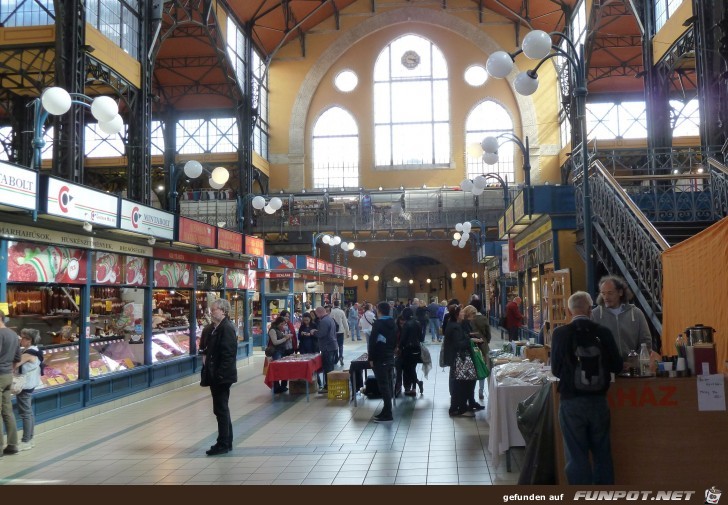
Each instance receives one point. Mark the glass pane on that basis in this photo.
(442, 143)
(381, 103)
(412, 144)
(441, 100)
(411, 102)
(382, 141)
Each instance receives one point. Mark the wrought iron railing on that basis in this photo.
(641, 161)
(626, 239)
(719, 187)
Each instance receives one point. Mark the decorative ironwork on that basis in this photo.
(719, 188)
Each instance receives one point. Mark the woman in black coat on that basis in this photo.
(456, 342)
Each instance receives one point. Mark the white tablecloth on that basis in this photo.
(502, 416)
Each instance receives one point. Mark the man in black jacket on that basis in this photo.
(583, 383)
(219, 358)
(380, 348)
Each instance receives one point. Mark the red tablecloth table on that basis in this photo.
(293, 367)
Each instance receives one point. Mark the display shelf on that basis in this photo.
(556, 287)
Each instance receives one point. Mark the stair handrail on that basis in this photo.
(719, 187)
(656, 236)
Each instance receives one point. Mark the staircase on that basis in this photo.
(636, 219)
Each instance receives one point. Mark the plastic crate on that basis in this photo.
(338, 386)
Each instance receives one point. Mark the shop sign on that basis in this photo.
(240, 279)
(107, 268)
(348, 273)
(254, 246)
(146, 220)
(350, 294)
(18, 186)
(282, 262)
(310, 263)
(505, 258)
(45, 263)
(136, 271)
(320, 265)
(284, 275)
(68, 239)
(263, 262)
(229, 240)
(329, 267)
(170, 274)
(80, 203)
(194, 232)
(200, 259)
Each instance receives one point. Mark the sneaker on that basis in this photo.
(11, 449)
(477, 406)
(25, 446)
(323, 391)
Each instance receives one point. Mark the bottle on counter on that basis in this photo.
(633, 363)
(644, 360)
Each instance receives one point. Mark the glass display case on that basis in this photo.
(171, 309)
(114, 355)
(61, 365)
(170, 344)
(52, 310)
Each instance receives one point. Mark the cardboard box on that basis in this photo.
(338, 375)
(299, 387)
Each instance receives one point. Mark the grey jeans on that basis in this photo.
(25, 410)
(7, 411)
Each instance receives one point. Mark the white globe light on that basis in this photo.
(336, 240)
(474, 150)
(258, 202)
(214, 185)
(459, 226)
(467, 226)
(357, 254)
(276, 203)
(376, 278)
(456, 236)
(489, 145)
(454, 242)
(465, 237)
(112, 127)
(193, 169)
(326, 239)
(478, 191)
(536, 45)
(220, 175)
(344, 246)
(269, 210)
(355, 277)
(352, 245)
(480, 182)
(490, 158)
(499, 64)
(525, 84)
(56, 101)
(461, 244)
(363, 255)
(466, 185)
(104, 108)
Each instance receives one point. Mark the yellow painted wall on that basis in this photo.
(289, 70)
(671, 30)
(569, 258)
(111, 54)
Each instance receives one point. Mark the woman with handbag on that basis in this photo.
(472, 326)
(456, 346)
(282, 346)
(29, 366)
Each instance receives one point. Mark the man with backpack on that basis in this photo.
(583, 355)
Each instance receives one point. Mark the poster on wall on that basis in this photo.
(171, 274)
(136, 271)
(107, 268)
(240, 279)
(45, 263)
(350, 294)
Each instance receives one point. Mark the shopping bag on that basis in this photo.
(266, 362)
(481, 368)
(464, 367)
(18, 384)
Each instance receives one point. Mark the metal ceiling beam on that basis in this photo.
(596, 73)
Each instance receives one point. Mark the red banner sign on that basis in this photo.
(229, 240)
(310, 263)
(200, 259)
(254, 246)
(170, 274)
(320, 265)
(240, 279)
(43, 263)
(195, 232)
(107, 268)
(284, 275)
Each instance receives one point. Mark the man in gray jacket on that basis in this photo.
(626, 322)
(328, 346)
(342, 331)
(9, 355)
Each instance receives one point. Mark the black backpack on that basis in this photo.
(590, 376)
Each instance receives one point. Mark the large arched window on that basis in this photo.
(411, 105)
(489, 119)
(335, 150)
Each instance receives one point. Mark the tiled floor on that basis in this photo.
(162, 440)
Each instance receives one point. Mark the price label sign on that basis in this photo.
(60, 380)
(109, 306)
(52, 382)
(128, 362)
(94, 372)
(71, 377)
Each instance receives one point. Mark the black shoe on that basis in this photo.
(383, 419)
(410, 392)
(421, 386)
(476, 406)
(454, 413)
(11, 449)
(217, 449)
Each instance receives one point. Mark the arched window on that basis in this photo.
(489, 119)
(411, 105)
(335, 150)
